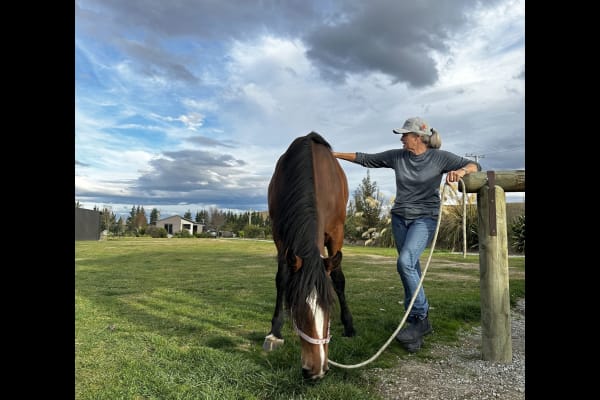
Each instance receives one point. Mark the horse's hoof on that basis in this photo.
(272, 342)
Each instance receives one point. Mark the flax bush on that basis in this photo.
(517, 234)
(450, 235)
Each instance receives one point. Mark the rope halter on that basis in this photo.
(310, 339)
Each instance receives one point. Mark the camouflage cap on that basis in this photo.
(415, 125)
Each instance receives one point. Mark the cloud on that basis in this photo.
(391, 37)
(193, 102)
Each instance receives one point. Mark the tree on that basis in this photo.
(107, 219)
(119, 227)
(188, 215)
(202, 217)
(363, 216)
(367, 200)
(217, 218)
(140, 221)
(131, 219)
(137, 221)
(352, 228)
(154, 216)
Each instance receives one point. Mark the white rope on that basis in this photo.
(464, 221)
(412, 301)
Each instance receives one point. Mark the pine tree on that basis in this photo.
(131, 217)
(367, 200)
(119, 227)
(154, 216)
(363, 216)
(107, 219)
(140, 221)
(202, 217)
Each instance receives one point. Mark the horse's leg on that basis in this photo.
(275, 339)
(339, 285)
(277, 320)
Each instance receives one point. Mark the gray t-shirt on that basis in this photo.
(418, 177)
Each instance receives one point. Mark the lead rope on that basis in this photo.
(464, 221)
(412, 301)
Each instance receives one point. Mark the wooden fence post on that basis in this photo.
(496, 341)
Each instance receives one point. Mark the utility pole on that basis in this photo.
(475, 156)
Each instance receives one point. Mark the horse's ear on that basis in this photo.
(297, 263)
(293, 261)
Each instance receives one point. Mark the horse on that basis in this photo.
(307, 199)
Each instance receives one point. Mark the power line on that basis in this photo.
(475, 156)
(504, 151)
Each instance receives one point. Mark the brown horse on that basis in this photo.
(307, 206)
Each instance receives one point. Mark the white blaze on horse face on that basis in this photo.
(319, 326)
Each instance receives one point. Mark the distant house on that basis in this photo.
(175, 224)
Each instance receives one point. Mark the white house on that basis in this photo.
(175, 224)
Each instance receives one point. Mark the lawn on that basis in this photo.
(186, 319)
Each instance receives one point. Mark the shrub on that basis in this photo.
(183, 234)
(450, 235)
(386, 237)
(253, 231)
(156, 232)
(517, 234)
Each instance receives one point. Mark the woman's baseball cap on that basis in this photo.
(415, 125)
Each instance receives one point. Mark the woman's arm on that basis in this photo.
(344, 156)
(454, 176)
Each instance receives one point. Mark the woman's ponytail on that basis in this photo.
(435, 140)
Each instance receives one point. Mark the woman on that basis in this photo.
(419, 167)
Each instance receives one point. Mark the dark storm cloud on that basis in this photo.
(208, 19)
(190, 170)
(152, 62)
(208, 142)
(503, 160)
(192, 177)
(391, 37)
(346, 36)
(506, 152)
(241, 200)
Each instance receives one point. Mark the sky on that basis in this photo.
(187, 105)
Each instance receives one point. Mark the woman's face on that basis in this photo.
(410, 141)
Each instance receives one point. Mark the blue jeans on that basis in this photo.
(412, 236)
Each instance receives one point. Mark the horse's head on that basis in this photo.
(314, 339)
(310, 310)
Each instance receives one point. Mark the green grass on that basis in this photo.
(186, 319)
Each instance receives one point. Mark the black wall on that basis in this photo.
(87, 224)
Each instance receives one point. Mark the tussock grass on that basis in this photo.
(186, 318)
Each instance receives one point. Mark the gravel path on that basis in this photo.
(458, 372)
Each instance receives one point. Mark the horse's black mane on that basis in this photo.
(295, 222)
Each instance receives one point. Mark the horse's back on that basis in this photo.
(331, 184)
(328, 175)
(308, 190)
